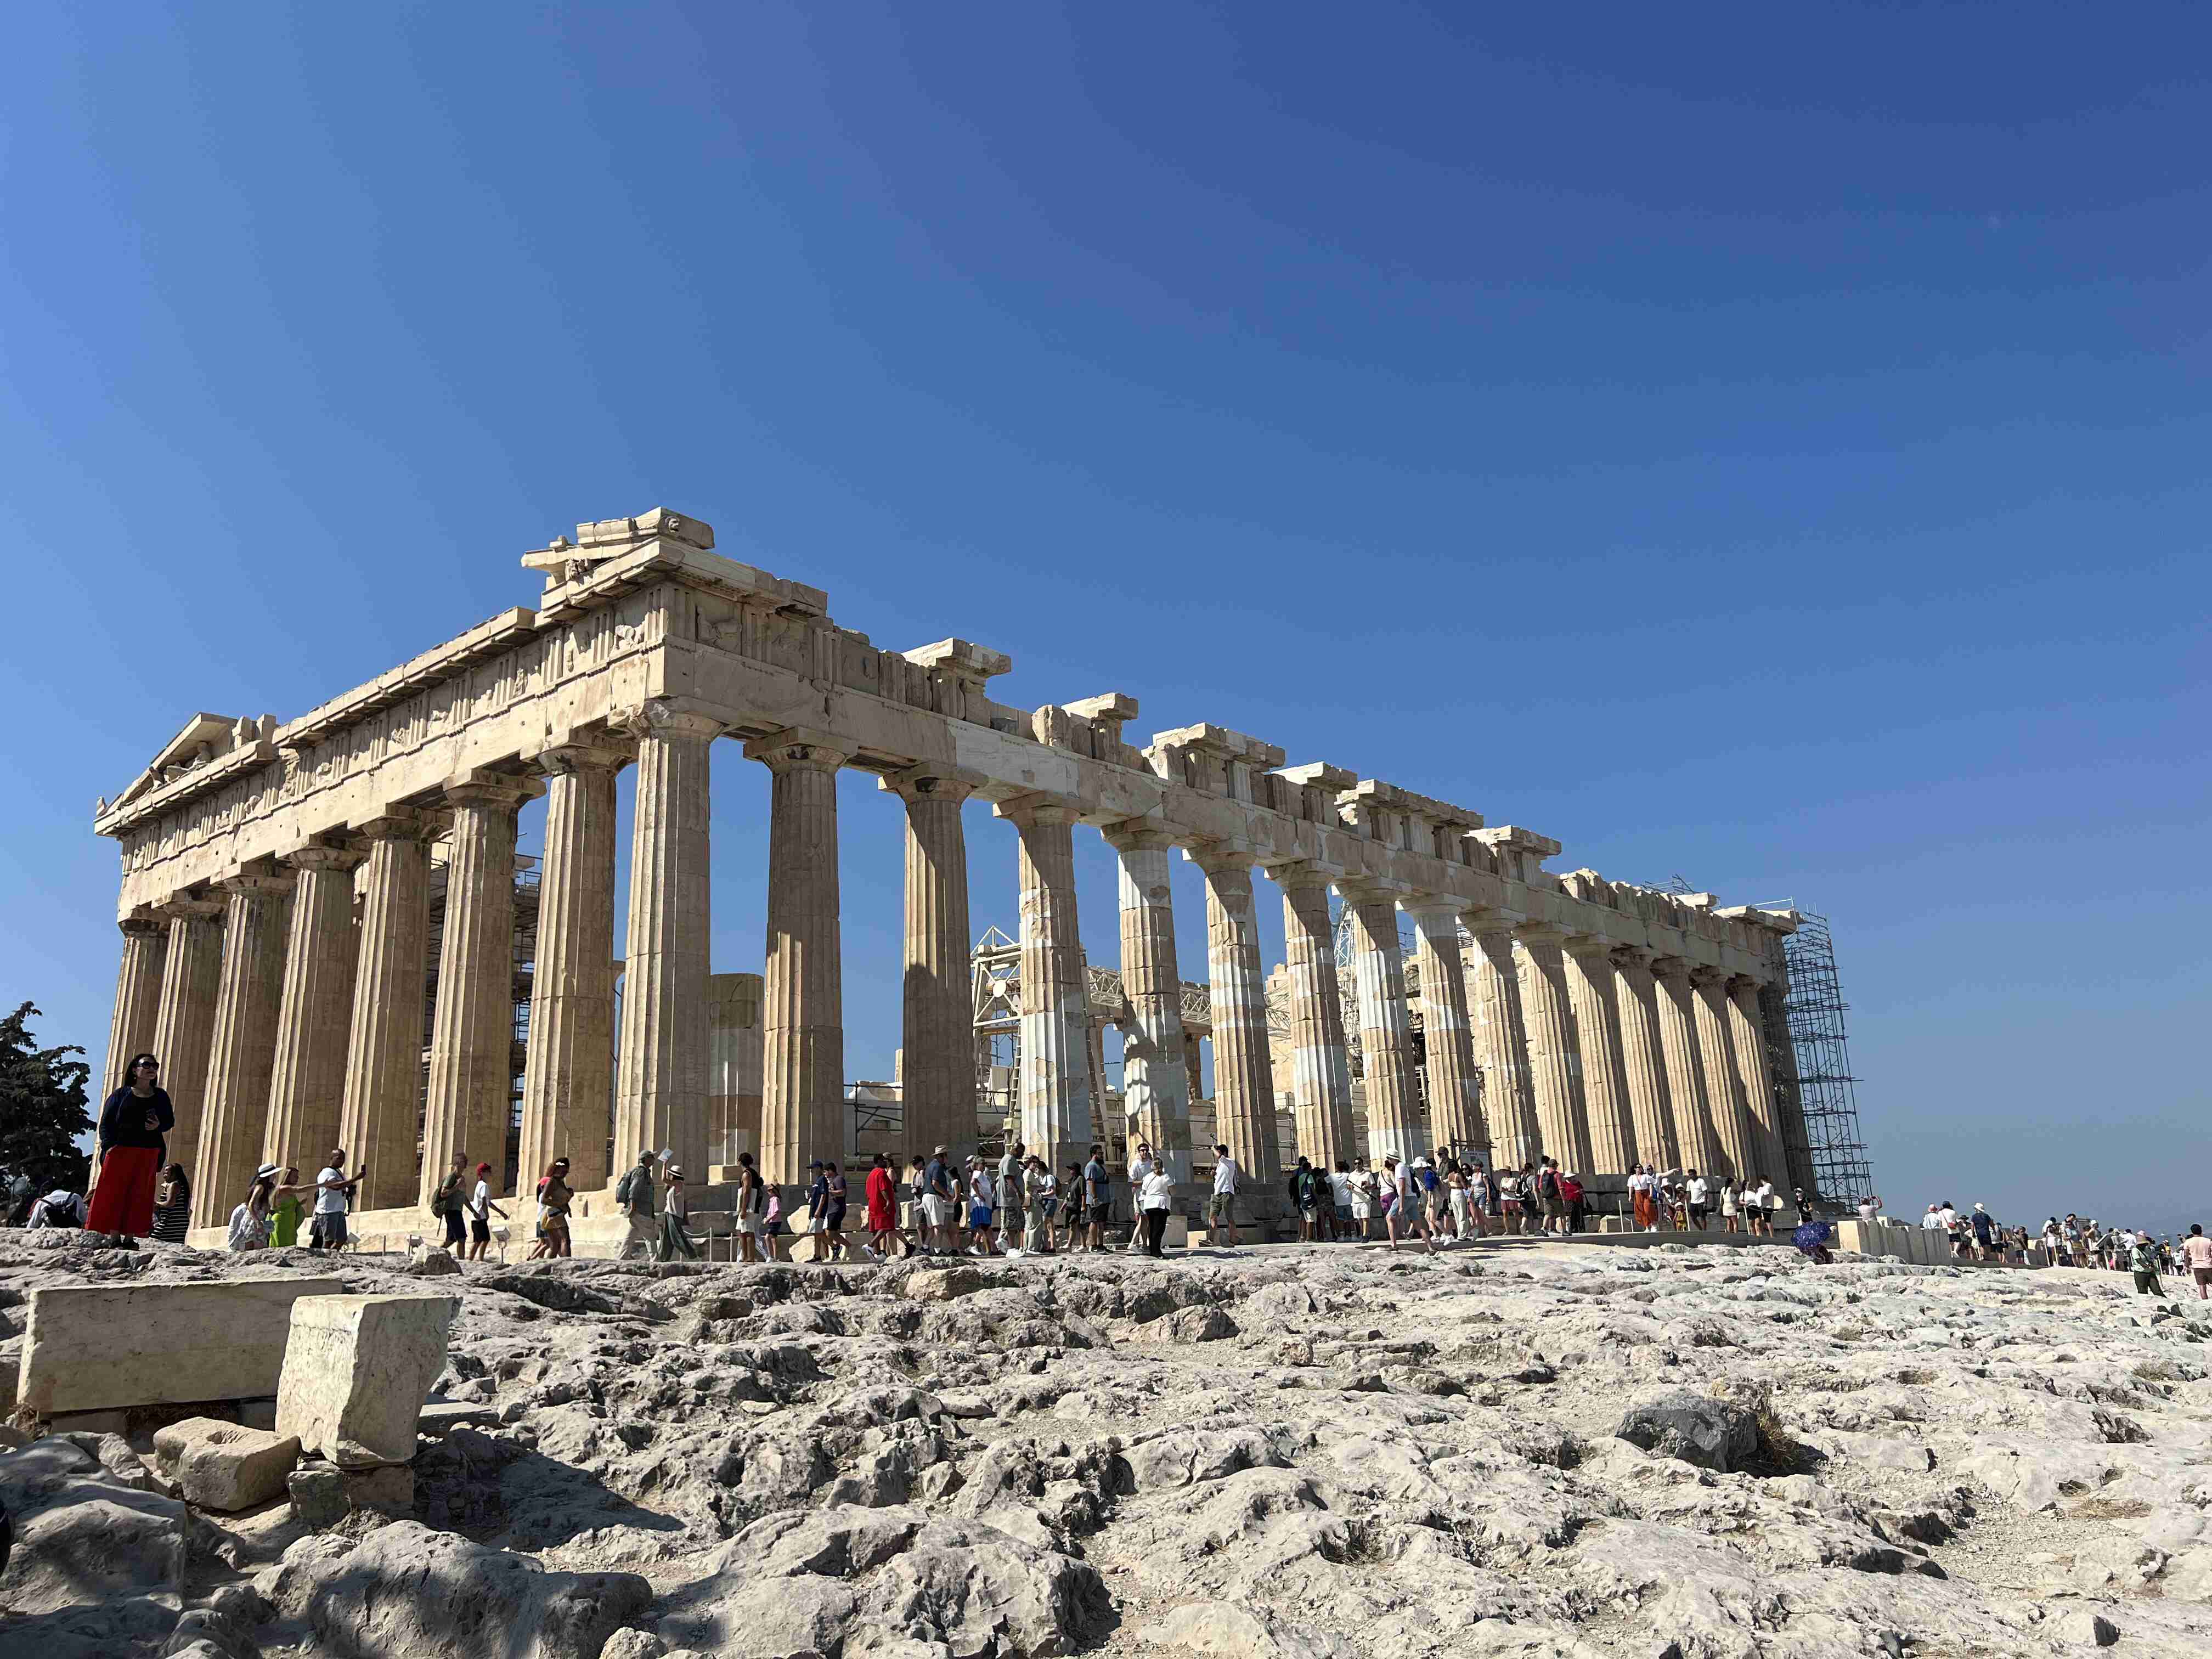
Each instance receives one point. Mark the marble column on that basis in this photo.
(1643, 1049)
(1694, 1127)
(1386, 1035)
(802, 999)
(1796, 1142)
(1155, 1077)
(184, 1020)
(306, 1083)
(1508, 1095)
(569, 1071)
(471, 1089)
(1243, 1068)
(1320, 1062)
(1455, 1116)
(242, 1045)
(138, 1012)
(1748, 1036)
(1724, 1089)
(661, 1100)
(1590, 989)
(1194, 1060)
(1554, 1062)
(377, 1125)
(937, 1023)
(1055, 1025)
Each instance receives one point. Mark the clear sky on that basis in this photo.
(1767, 445)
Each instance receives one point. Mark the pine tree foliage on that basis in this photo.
(42, 1109)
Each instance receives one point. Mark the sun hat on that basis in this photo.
(266, 1171)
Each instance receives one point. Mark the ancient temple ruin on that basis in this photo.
(278, 887)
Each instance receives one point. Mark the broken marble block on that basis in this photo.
(223, 1465)
(356, 1372)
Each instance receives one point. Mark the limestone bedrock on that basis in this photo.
(356, 1372)
(90, 1347)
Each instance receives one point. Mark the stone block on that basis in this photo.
(317, 1493)
(89, 1347)
(224, 1466)
(115, 1421)
(431, 1261)
(357, 1371)
(440, 1415)
(388, 1490)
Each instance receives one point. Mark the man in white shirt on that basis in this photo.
(1220, 1209)
(1931, 1221)
(326, 1228)
(480, 1211)
(1141, 1164)
(1694, 1190)
(1408, 1210)
(1764, 1203)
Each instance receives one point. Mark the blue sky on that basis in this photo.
(1763, 445)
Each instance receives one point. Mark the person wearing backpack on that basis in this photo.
(1307, 1186)
(634, 1198)
(446, 1202)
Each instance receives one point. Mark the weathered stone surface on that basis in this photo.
(81, 1533)
(431, 1261)
(88, 1347)
(318, 1494)
(223, 1466)
(357, 1371)
(1714, 1434)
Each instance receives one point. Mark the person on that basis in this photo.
(2142, 1261)
(448, 1202)
(1340, 1195)
(1811, 1237)
(983, 1203)
(554, 1198)
(1508, 1199)
(2197, 1258)
(1985, 1229)
(634, 1198)
(1221, 1207)
(58, 1208)
(1097, 1195)
(1364, 1191)
(1695, 1199)
(1430, 1190)
(882, 1193)
(1764, 1202)
(334, 1189)
(1141, 1165)
(1153, 1200)
(751, 1219)
(1012, 1200)
(480, 1211)
(1405, 1209)
(1571, 1192)
(1075, 1209)
(817, 1207)
(285, 1212)
(775, 1234)
(1869, 1206)
(936, 1203)
(1306, 1185)
(675, 1240)
(134, 1125)
(249, 1222)
(1731, 1198)
(1456, 1183)
(172, 1206)
(1044, 1199)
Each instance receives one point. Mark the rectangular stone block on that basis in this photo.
(94, 1346)
(223, 1465)
(357, 1371)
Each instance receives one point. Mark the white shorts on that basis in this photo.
(936, 1211)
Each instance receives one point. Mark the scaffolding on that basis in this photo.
(1815, 1009)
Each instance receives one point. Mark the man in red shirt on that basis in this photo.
(883, 1210)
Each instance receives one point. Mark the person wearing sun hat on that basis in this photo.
(249, 1222)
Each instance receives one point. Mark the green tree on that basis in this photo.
(42, 1110)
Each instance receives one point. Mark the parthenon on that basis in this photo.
(277, 887)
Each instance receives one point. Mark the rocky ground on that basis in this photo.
(1301, 1452)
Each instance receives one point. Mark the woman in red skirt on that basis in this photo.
(133, 1126)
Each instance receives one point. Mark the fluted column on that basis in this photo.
(1769, 1159)
(1694, 1126)
(1555, 1062)
(1508, 1095)
(661, 1077)
(1386, 1035)
(472, 1027)
(138, 1012)
(307, 1076)
(242, 1046)
(183, 1021)
(376, 1124)
(1055, 1028)
(1243, 1068)
(1320, 1062)
(1155, 1080)
(1643, 1049)
(1605, 1064)
(568, 1073)
(1456, 1117)
(1724, 1089)
(802, 996)
(938, 1024)
(1796, 1142)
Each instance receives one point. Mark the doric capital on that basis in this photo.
(1670, 967)
(1535, 934)
(575, 758)
(923, 782)
(318, 857)
(1631, 956)
(668, 719)
(255, 882)
(144, 922)
(1739, 984)
(799, 749)
(1295, 875)
(1220, 860)
(1483, 920)
(494, 791)
(1703, 974)
(186, 908)
(1135, 835)
(1589, 945)
(1037, 809)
